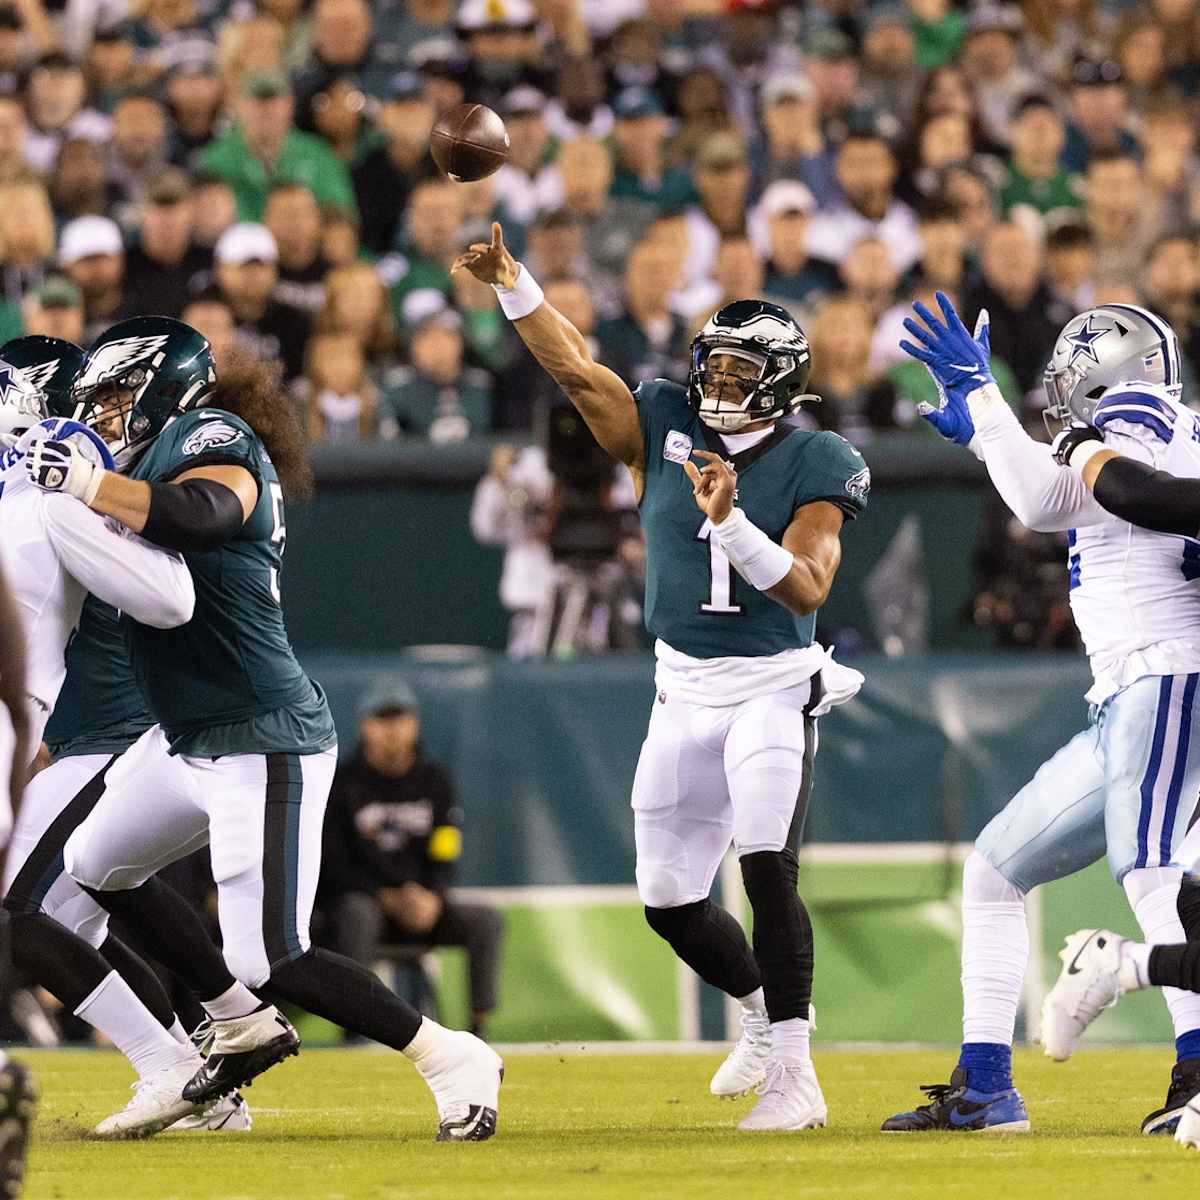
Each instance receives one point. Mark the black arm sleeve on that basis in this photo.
(196, 515)
(1152, 499)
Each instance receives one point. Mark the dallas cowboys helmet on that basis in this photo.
(1115, 343)
(50, 364)
(137, 378)
(770, 340)
(21, 404)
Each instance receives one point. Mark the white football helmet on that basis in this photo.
(1115, 343)
(21, 404)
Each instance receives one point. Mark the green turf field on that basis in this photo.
(358, 1125)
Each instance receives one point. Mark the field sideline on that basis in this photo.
(358, 1125)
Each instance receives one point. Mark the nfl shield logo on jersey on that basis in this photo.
(677, 447)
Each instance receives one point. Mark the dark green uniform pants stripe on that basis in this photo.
(45, 862)
(281, 857)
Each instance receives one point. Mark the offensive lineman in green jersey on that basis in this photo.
(244, 750)
(742, 548)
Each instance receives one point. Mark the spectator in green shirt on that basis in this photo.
(264, 148)
(640, 134)
(1034, 175)
(432, 229)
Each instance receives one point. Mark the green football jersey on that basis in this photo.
(228, 681)
(100, 709)
(695, 601)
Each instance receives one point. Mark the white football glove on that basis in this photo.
(61, 467)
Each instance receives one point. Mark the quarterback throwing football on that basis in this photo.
(743, 517)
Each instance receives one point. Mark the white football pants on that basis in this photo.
(261, 817)
(711, 776)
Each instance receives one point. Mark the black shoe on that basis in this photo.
(1185, 1083)
(18, 1097)
(242, 1049)
(474, 1123)
(958, 1107)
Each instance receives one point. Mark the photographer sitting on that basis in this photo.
(392, 837)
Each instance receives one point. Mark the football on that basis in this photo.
(469, 142)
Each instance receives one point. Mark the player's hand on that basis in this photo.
(713, 485)
(958, 361)
(489, 263)
(1067, 442)
(61, 467)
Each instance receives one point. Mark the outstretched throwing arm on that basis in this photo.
(602, 398)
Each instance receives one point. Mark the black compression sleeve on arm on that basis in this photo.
(1152, 499)
(196, 515)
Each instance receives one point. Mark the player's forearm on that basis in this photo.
(805, 587)
(603, 401)
(125, 500)
(1041, 495)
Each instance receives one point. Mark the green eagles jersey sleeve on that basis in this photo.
(200, 438)
(832, 469)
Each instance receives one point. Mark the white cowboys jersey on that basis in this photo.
(54, 551)
(1135, 594)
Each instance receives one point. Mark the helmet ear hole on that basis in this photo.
(1096, 393)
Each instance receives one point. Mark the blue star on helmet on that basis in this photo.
(8, 382)
(1081, 342)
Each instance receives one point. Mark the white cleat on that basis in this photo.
(1087, 985)
(230, 1114)
(157, 1102)
(790, 1099)
(464, 1075)
(1187, 1132)
(745, 1067)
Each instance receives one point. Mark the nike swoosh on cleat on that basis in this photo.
(967, 1111)
(1072, 969)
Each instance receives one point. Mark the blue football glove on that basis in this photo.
(957, 362)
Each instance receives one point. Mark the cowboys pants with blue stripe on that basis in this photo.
(1126, 786)
(261, 816)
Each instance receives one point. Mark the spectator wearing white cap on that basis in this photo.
(247, 261)
(91, 252)
(779, 227)
(503, 47)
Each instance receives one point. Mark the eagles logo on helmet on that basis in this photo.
(773, 342)
(137, 378)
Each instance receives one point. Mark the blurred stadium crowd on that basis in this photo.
(261, 168)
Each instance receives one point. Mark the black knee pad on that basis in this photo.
(770, 874)
(1188, 906)
(668, 923)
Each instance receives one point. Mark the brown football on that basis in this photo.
(469, 142)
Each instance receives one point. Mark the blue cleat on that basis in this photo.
(957, 1107)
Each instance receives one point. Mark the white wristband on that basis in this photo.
(761, 562)
(89, 487)
(1084, 453)
(522, 298)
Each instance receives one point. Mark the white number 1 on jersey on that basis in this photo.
(720, 593)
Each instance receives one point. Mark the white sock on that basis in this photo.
(180, 1034)
(1154, 894)
(756, 1002)
(994, 953)
(1134, 972)
(789, 1040)
(238, 1001)
(430, 1037)
(113, 1009)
